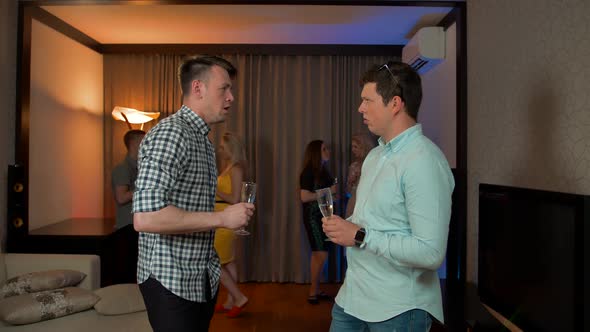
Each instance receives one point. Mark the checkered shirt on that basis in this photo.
(177, 167)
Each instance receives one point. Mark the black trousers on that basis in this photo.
(171, 313)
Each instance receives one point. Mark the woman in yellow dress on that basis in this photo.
(232, 166)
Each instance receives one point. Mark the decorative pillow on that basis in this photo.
(35, 307)
(40, 281)
(119, 299)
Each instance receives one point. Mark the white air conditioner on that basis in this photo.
(426, 49)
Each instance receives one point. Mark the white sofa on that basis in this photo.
(86, 321)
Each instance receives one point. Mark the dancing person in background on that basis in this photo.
(125, 237)
(178, 268)
(397, 236)
(361, 144)
(315, 176)
(233, 170)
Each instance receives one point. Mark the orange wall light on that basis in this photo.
(133, 116)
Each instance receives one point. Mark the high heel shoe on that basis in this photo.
(312, 299)
(219, 308)
(235, 311)
(324, 296)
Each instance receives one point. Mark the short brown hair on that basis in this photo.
(396, 78)
(198, 68)
(131, 135)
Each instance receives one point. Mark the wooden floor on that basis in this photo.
(277, 307)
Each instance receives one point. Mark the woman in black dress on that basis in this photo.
(315, 176)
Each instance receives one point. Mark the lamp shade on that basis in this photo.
(132, 115)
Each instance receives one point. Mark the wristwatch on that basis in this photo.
(359, 237)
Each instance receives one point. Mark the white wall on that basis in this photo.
(66, 129)
(528, 99)
(438, 112)
(8, 31)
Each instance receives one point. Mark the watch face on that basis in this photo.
(360, 236)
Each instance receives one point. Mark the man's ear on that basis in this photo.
(196, 87)
(395, 105)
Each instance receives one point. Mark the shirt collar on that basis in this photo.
(192, 117)
(402, 139)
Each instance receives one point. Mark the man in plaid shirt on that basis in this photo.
(178, 269)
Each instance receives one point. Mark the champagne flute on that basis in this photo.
(326, 203)
(248, 196)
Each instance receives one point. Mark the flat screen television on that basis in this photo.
(532, 265)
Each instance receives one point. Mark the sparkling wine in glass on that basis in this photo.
(248, 196)
(325, 201)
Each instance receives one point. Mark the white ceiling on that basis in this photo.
(248, 24)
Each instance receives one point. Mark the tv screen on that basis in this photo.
(531, 256)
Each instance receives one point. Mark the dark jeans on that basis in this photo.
(171, 313)
(414, 320)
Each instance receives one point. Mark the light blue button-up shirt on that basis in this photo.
(404, 203)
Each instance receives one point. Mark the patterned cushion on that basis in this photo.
(35, 307)
(39, 281)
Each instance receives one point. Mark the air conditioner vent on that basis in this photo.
(425, 49)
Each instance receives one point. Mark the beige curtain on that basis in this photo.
(144, 82)
(282, 103)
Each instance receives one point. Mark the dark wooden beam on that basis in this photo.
(449, 19)
(23, 93)
(462, 88)
(22, 128)
(400, 3)
(57, 24)
(458, 229)
(252, 49)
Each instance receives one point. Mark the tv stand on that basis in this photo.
(503, 320)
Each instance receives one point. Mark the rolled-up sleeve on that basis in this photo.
(162, 155)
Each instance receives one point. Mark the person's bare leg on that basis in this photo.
(233, 270)
(229, 300)
(238, 298)
(318, 258)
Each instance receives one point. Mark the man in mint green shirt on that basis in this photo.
(397, 234)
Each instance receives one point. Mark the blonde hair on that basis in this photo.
(234, 148)
(365, 142)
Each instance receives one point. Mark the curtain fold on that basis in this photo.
(282, 103)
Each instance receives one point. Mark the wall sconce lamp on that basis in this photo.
(133, 116)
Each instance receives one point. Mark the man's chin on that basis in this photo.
(221, 118)
(373, 130)
(218, 120)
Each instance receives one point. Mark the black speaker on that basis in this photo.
(17, 211)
